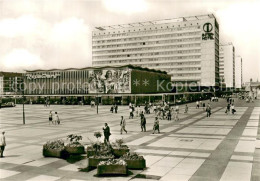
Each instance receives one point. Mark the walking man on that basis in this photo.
(2, 143)
(186, 109)
(123, 124)
(107, 133)
(50, 118)
(143, 123)
(116, 108)
(228, 109)
(208, 110)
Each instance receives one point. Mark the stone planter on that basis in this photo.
(75, 150)
(91, 153)
(136, 164)
(111, 170)
(118, 152)
(52, 153)
(93, 162)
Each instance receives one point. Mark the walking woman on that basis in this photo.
(56, 118)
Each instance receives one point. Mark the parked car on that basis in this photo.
(8, 104)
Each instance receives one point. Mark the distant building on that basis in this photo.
(96, 80)
(227, 65)
(238, 72)
(187, 47)
(10, 83)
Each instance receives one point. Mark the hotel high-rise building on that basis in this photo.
(227, 65)
(238, 72)
(187, 48)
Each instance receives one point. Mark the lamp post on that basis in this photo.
(97, 102)
(23, 100)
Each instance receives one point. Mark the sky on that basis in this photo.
(45, 34)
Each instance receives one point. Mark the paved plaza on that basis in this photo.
(222, 147)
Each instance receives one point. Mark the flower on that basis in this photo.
(54, 144)
(113, 162)
(132, 156)
(74, 140)
(97, 134)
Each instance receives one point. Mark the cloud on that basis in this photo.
(21, 59)
(125, 6)
(69, 30)
(21, 26)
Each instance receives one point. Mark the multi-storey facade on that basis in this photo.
(238, 72)
(10, 83)
(187, 48)
(227, 64)
(96, 80)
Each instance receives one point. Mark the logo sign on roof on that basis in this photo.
(42, 76)
(207, 35)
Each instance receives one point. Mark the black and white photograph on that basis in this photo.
(118, 90)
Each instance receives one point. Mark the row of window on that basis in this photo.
(147, 43)
(131, 32)
(186, 58)
(147, 48)
(148, 54)
(145, 37)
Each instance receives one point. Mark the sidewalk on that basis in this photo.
(222, 147)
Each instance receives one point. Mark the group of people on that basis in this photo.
(200, 104)
(54, 119)
(114, 107)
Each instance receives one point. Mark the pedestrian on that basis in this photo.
(169, 115)
(186, 109)
(50, 118)
(233, 109)
(131, 115)
(116, 108)
(208, 110)
(203, 105)
(156, 125)
(228, 109)
(197, 105)
(123, 124)
(56, 118)
(143, 123)
(3, 144)
(107, 133)
(138, 111)
(112, 109)
(176, 113)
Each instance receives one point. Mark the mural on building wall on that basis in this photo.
(109, 81)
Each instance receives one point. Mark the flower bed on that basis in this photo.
(112, 167)
(90, 151)
(74, 146)
(53, 148)
(52, 153)
(75, 149)
(134, 161)
(93, 161)
(118, 149)
(118, 152)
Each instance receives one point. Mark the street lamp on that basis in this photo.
(22, 82)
